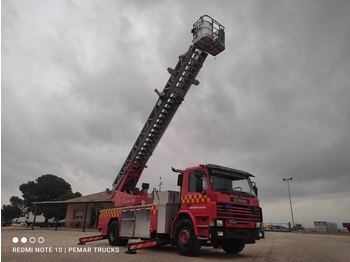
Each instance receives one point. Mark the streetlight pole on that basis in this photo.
(290, 199)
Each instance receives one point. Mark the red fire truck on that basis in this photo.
(216, 206)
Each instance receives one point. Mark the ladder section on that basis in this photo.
(181, 78)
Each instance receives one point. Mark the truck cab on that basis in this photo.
(221, 204)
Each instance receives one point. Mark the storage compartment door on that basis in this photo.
(142, 223)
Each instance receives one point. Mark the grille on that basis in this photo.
(240, 213)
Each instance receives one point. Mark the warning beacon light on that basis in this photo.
(209, 35)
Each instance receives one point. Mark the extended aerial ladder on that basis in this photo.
(208, 37)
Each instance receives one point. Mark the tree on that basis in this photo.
(47, 188)
(14, 210)
(10, 212)
(299, 227)
(16, 201)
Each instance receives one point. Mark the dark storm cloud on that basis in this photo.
(78, 80)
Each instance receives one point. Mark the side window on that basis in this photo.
(192, 182)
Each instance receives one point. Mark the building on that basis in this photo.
(90, 206)
(324, 226)
(82, 212)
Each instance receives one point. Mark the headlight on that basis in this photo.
(258, 224)
(219, 223)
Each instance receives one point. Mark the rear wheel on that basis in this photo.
(113, 235)
(233, 246)
(186, 241)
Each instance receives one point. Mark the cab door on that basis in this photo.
(195, 193)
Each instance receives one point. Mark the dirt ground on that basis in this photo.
(23, 244)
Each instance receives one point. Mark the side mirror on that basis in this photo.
(199, 185)
(179, 179)
(255, 188)
(198, 174)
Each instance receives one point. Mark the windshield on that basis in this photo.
(230, 182)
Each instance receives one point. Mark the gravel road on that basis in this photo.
(61, 245)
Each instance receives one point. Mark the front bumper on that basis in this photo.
(222, 233)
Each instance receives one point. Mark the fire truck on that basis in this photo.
(215, 206)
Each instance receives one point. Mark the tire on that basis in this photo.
(186, 241)
(233, 246)
(113, 235)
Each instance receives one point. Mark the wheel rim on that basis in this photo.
(184, 237)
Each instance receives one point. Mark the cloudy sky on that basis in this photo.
(78, 80)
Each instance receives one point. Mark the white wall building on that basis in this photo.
(326, 226)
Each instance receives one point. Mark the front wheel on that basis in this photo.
(233, 246)
(186, 241)
(113, 235)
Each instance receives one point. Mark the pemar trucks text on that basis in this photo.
(216, 206)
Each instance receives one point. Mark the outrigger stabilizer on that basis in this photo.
(133, 246)
(83, 240)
